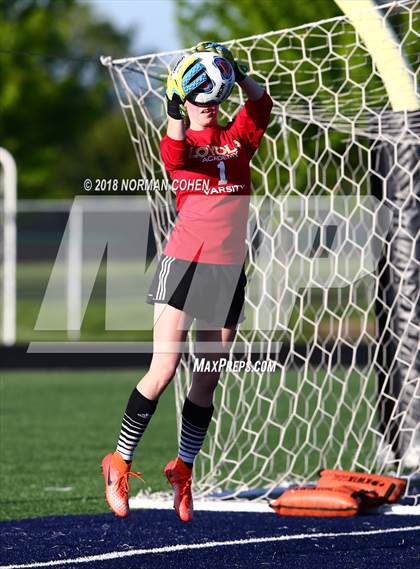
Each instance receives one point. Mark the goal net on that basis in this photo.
(332, 264)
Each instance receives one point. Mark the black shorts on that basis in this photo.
(214, 293)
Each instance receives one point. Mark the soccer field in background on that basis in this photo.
(57, 425)
(33, 277)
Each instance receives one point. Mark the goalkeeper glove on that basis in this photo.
(182, 80)
(214, 47)
(173, 107)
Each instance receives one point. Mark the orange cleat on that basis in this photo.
(179, 475)
(116, 472)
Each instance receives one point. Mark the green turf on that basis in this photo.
(55, 428)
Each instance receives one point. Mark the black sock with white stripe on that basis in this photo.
(195, 423)
(136, 418)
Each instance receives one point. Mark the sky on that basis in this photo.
(153, 21)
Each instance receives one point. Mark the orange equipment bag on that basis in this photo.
(373, 489)
(311, 501)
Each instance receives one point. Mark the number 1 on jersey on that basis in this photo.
(222, 174)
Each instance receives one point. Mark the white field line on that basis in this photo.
(192, 546)
(150, 503)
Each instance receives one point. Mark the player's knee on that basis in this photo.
(206, 381)
(163, 372)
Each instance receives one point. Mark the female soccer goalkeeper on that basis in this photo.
(201, 273)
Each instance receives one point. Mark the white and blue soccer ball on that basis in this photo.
(220, 79)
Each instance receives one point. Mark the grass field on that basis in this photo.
(57, 425)
(55, 428)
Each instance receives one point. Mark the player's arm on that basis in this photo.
(173, 146)
(175, 97)
(251, 88)
(186, 76)
(176, 125)
(252, 120)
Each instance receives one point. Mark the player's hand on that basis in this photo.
(214, 47)
(173, 106)
(182, 80)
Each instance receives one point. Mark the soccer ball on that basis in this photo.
(220, 80)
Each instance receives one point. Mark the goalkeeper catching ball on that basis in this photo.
(200, 275)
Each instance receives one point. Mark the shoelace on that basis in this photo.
(122, 480)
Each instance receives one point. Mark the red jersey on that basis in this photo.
(211, 175)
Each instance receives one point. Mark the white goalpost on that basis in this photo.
(8, 184)
(333, 254)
